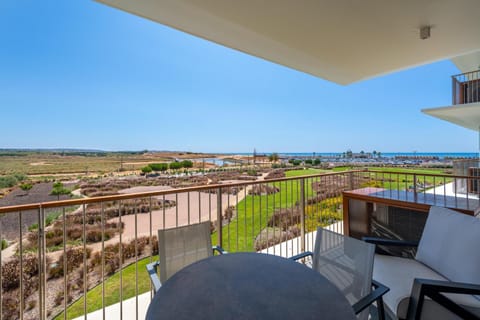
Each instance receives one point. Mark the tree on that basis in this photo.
(317, 161)
(374, 153)
(187, 164)
(349, 153)
(58, 190)
(147, 169)
(273, 157)
(175, 165)
(309, 161)
(159, 166)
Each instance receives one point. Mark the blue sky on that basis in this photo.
(78, 74)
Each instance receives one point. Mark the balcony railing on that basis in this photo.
(466, 88)
(98, 247)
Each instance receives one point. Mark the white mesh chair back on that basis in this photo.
(179, 247)
(347, 263)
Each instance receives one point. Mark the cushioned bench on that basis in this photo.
(449, 254)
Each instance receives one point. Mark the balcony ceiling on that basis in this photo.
(468, 62)
(465, 115)
(342, 41)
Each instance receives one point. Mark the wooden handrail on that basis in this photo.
(72, 202)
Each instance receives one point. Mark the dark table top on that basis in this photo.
(248, 286)
(430, 199)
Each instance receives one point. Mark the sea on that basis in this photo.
(440, 155)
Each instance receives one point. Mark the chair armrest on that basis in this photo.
(301, 255)
(434, 289)
(375, 295)
(219, 249)
(390, 242)
(152, 272)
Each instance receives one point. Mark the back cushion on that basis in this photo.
(450, 245)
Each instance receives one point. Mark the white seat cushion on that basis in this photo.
(398, 274)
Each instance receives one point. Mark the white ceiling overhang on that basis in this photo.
(342, 41)
(465, 115)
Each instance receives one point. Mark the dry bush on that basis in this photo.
(229, 213)
(74, 260)
(59, 296)
(11, 271)
(10, 305)
(275, 174)
(265, 240)
(263, 189)
(284, 218)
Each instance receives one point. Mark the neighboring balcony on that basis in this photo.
(466, 88)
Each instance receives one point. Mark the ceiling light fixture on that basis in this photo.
(425, 32)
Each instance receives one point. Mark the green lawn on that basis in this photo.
(301, 172)
(112, 290)
(405, 179)
(254, 211)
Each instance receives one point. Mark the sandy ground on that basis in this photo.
(202, 206)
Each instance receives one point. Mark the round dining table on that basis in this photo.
(248, 286)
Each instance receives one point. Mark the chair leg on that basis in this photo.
(381, 310)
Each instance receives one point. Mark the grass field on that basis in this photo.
(54, 163)
(112, 290)
(403, 179)
(254, 211)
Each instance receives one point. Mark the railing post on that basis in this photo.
(302, 215)
(350, 181)
(219, 217)
(41, 263)
(415, 187)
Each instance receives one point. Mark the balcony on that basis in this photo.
(98, 247)
(466, 88)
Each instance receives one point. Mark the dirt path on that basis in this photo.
(201, 205)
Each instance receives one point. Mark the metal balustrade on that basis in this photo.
(466, 87)
(107, 240)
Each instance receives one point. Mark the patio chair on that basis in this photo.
(348, 264)
(179, 247)
(443, 281)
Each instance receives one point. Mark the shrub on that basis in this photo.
(175, 165)
(147, 169)
(316, 162)
(10, 304)
(11, 271)
(112, 263)
(159, 166)
(26, 186)
(4, 244)
(8, 181)
(74, 260)
(297, 162)
(229, 213)
(10, 275)
(187, 164)
(60, 295)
